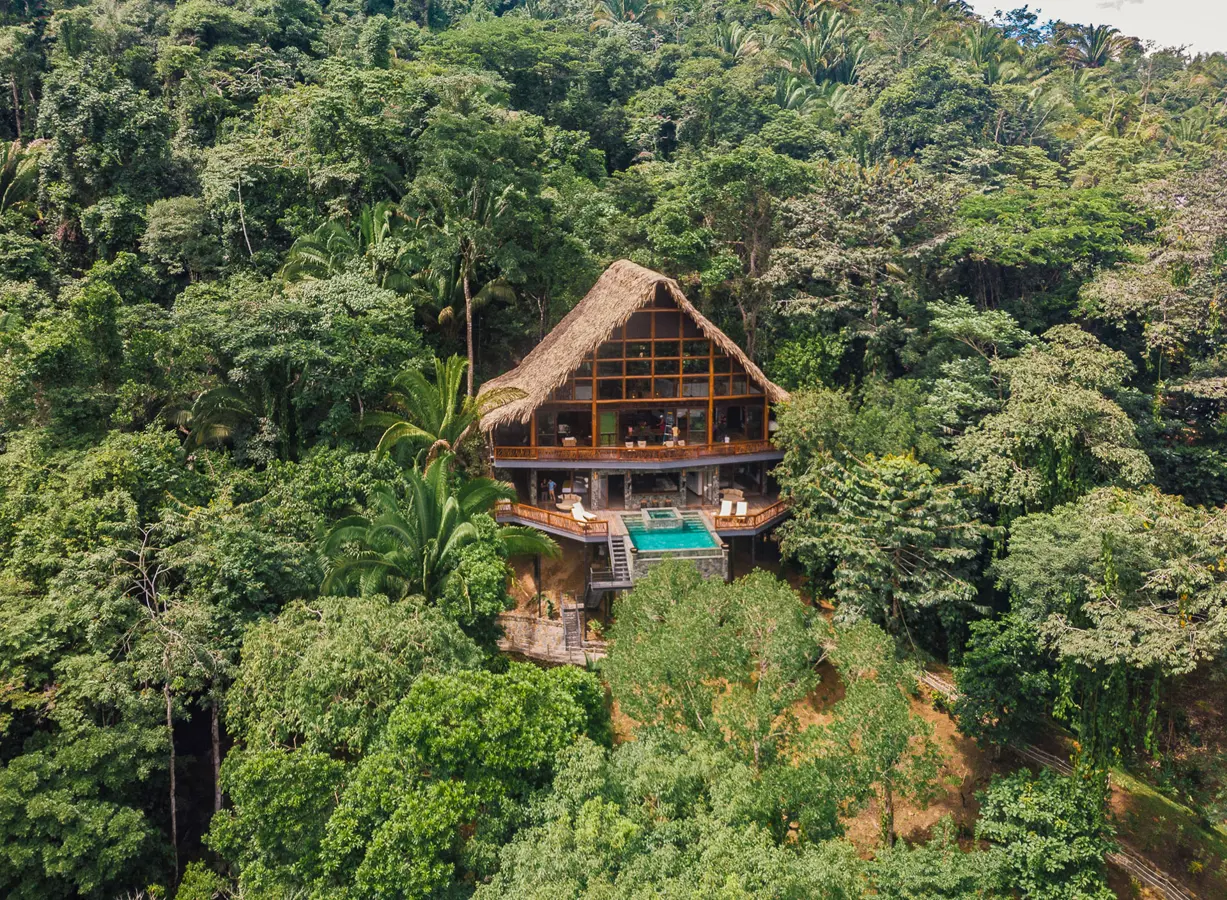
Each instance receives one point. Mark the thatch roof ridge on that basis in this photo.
(622, 289)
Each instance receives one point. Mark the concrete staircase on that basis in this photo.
(573, 627)
(618, 575)
(619, 558)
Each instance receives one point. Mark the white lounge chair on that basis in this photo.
(581, 514)
(726, 507)
(742, 508)
(641, 444)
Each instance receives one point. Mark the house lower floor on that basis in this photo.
(698, 486)
(563, 605)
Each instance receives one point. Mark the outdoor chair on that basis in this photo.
(582, 515)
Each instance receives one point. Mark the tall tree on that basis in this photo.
(895, 540)
(722, 661)
(478, 197)
(1060, 431)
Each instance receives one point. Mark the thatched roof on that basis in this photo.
(624, 288)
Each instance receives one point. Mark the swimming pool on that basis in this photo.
(693, 535)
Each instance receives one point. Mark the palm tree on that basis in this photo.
(459, 229)
(1094, 46)
(736, 40)
(374, 239)
(440, 291)
(826, 49)
(215, 415)
(434, 417)
(18, 176)
(990, 51)
(909, 30)
(606, 13)
(413, 542)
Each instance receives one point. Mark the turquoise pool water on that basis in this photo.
(693, 535)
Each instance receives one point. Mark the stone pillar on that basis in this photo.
(596, 490)
(681, 494)
(626, 489)
(532, 487)
(711, 486)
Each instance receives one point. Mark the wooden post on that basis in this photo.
(537, 581)
(596, 425)
(711, 388)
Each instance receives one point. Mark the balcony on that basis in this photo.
(762, 513)
(653, 453)
(753, 522)
(552, 522)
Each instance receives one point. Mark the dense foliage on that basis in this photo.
(256, 261)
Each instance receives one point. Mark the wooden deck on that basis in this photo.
(761, 513)
(653, 453)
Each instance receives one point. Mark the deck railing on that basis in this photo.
(505, 509)
(754, 520)
(653, 453)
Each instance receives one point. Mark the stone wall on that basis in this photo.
(542, 639)
(714, 566)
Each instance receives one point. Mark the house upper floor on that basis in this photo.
(634, 376)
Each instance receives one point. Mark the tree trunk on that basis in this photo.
(243, 220)
(468, 326)
(217, 757)
(174, 807)
(888, 814)
(16, 105)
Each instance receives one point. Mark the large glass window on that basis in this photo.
(695, 387)
(668, 325)
(638, 388)
(696, 424)
(639, 327)
(547, 428)
(513, 434)
(738, 422)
